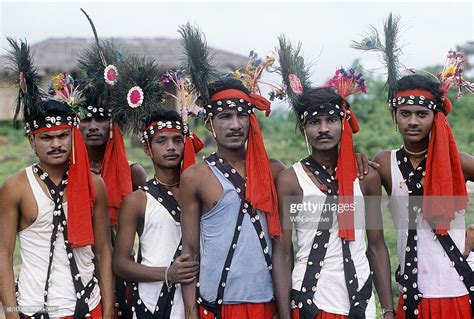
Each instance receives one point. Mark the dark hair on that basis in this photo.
(52, 108)
(318, 96)
(225, 84)
(162, 115)
(417, 81)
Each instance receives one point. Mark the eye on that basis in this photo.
(404, 113)
(243, 114)
(332, 119)
(422, 114)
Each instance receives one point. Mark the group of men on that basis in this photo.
(215, 238)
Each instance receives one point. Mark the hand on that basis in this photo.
(389, 315)
(469, 240)
(363, 164)
(183, 270)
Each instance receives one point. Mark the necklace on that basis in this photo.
(415, 153)
(165, 184)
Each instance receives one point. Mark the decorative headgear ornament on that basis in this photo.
(98, 66)
(296, 80)
(186, 98)
(444, 177)
(31, 100)
(260, 191)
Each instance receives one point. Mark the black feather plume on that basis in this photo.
(389, 49)
(291, 62)
(25, 75)
(91, 71)
(101, 54)
(146, 74)
(199, 59)
(392, 52)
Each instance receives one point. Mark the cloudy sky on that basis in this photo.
(430, 28)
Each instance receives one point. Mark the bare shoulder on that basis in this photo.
(371, 184)
(276, 166)
(195, 172)
(15, 184)
(137, 169)
(467, 164)
(288, 182)
(135, 199)
(138, 173)
(382, 157)
(98, 181)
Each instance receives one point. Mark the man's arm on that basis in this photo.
(9, 216)
(467, 163)
(138, 176)
(103, 248)
(131, 216)
(189, 201)
(282, 257)
(377, 252)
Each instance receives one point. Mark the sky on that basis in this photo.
(429, 28)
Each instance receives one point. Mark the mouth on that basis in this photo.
(413, 132)
(56, 153)
(324, 139)
(235, 135)
(171, 157)
(94, 136)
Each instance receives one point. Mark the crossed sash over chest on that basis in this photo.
(303, 299)
(245, 208)
(164, 304)
(408, 279)
(83, 292)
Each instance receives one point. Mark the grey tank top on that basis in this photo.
(249, 279)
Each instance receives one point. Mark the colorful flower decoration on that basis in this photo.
(186, 95)
(347, 83)
(252, 73)
(135, 97)
(452, 74)
(110, 74)
(63, 88)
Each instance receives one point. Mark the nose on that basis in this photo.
(93, 125)
(56, 143)
(413, 120)
(170, 145)
(323, 127)
(236, 123)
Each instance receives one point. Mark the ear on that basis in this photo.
(394, 115)
(31, 139)
(207, 124)
(147, 149)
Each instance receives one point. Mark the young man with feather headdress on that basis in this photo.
(332, 275)
(152, 212)
(426, 179)
(61, 217)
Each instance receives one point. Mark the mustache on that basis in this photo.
(324, 136)
(56, 151)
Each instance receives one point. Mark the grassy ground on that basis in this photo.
(282, 143)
